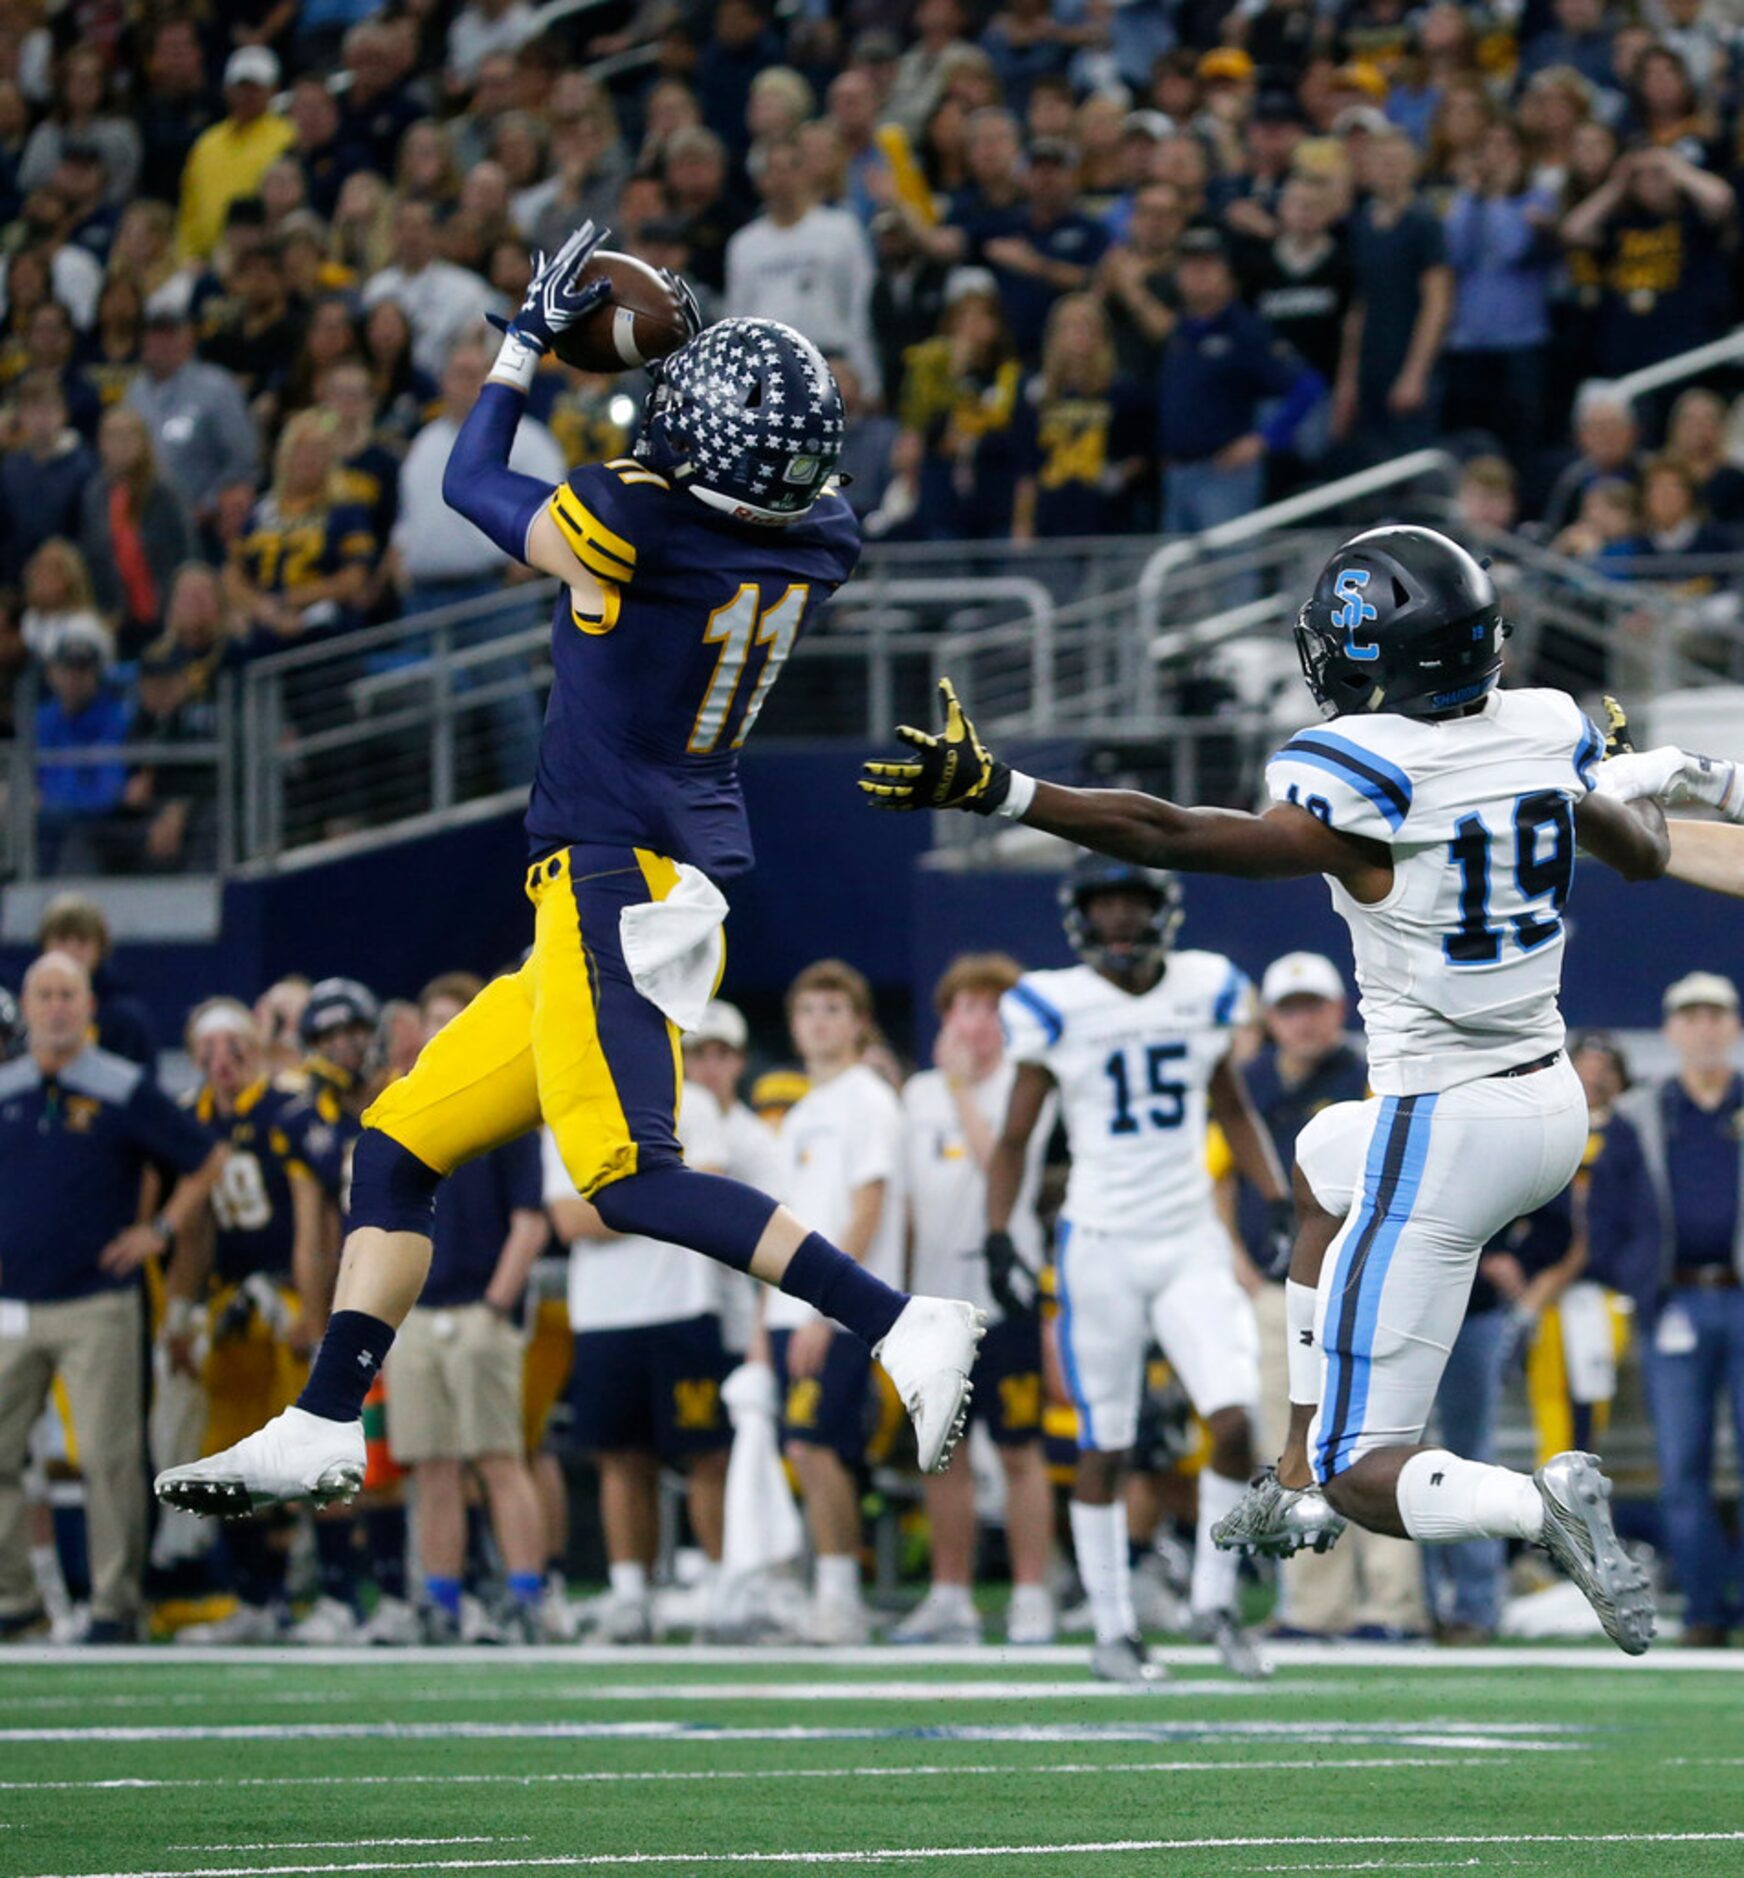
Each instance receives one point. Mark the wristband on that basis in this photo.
(1302, 1352)
(517, 361)
(1018, 797)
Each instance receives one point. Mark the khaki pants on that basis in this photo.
(454, 1385)
(94, 1345)
(1366, 1578)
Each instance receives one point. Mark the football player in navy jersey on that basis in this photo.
(688, 571)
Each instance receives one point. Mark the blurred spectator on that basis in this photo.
(1658, 227)
(1579, 39)
(91, 216)
(937, 26)
(697, 184)
(908, 295)
(1136, 278)
(669, 107)
(440, 300)
(58, 597)
(176, 803)
(43, 478)
(1221, 365)
(1388, 398)
(779, 102)
(483, 27)
(197, 627)
(112, 355)
(854, 111)
(740, 46)
(77, 803)
(441, 559)
(1040, 251)
(201, 431)
(256, 341)
(330, 336)
(1085, 431)
(77, 925)
(1673, 524)
(301, 566)
(229, 160)
(78, 1128)
(319, 153)
(867, 441)
(75, 275)
(1607, 438)
(83, 114)
(368, 470)
(960, 394)
(1696, 439)
(378, 107)
(806, 265)
(403, 393)
(1608, 520)
(1667, 1228)
(425, 169)
(133, 529)
(1496, 234)
(144, 252)
(361, 238)
(1489, 495)
(588, 169)
(175, 109)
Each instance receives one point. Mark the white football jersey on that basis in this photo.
(841, 1135)
(628, 1282)
(1132, 1073)
(947, 1192)
(1460, 965)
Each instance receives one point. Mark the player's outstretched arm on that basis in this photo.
(1629, 837)
(953, 769)
(478, 483)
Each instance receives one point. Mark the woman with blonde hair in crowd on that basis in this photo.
(134, 530)
(426, 170)
(780, 101)
(144, 252)
(58, 599)
(360, 240)
(1556, 104)
(1084, 430)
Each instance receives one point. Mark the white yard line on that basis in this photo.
(1414, 1657)
(1510, 1737)
(608, 1777)
(353, 1845)
(893, 1855)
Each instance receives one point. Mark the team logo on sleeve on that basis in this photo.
(1355, 611)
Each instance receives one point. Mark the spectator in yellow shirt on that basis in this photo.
(230, 159)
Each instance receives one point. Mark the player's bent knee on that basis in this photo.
(391, 1189)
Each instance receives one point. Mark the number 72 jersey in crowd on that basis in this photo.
(1460, 965)
(1133, 1074)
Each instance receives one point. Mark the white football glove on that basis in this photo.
(1674, 777)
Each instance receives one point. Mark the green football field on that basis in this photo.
(924, 1762)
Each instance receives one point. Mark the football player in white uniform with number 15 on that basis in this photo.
(1444, 813)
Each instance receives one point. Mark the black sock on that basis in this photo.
(831, 1282)
(336, 1557)
(384, 1532)
(353, 1349)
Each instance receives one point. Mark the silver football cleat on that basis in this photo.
(1579, 1534)
(296, 1458)
(1241, 1655)
(1126, 1660)
(1275, 1521)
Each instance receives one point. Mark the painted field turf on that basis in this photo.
(914, 1763)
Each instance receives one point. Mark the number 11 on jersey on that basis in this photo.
(735, 628)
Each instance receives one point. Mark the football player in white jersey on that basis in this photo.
(1445, 814)
(1137, 1040)
(951, 1117)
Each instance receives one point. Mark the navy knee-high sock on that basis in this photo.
(724, 1219)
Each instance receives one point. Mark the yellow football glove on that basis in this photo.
(1616, 728)
(953, 770)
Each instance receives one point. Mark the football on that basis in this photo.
(644, 319)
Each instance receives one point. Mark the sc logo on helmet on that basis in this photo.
(1355, 612)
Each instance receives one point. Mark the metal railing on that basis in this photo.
(1683, 366)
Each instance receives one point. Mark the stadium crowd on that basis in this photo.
(1081, 269)
(168, 1260)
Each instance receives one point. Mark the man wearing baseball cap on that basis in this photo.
(1666, 1225)
(1306, 1064)
(230, 159)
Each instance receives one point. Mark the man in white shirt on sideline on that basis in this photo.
(952, 1115)
(842, 1170)
(439, 299)
(715, 1056)
(645, 1388)
(804, 264)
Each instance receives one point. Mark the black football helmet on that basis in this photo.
(334, 1004)
(1092, 874)
(1401, 619)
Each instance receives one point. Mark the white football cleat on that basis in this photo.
(837, 1626)
(393, 1624)
(624, 1620)
(940, 1617)
(928, 1354)
(295, 1457)
(248, 1623)
(329, 1623)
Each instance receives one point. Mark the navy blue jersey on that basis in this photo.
(254, 1220)
(651, 701)
(475, 1207)
(321, 1129)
